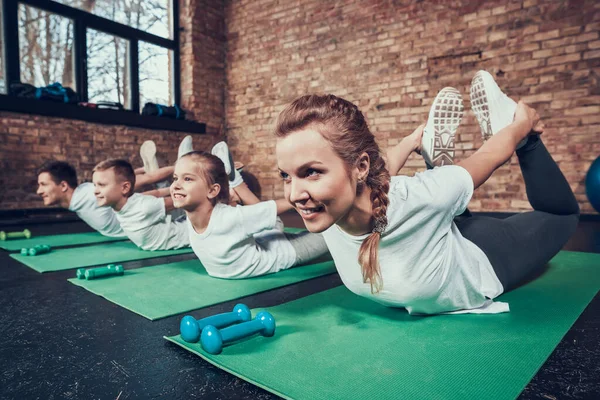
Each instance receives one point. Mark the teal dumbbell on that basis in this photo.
(109, 270)
(213, 339)
(39, 249)
(80, 273)
(190, 328)
(25, 234)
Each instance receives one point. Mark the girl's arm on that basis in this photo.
(245, 194)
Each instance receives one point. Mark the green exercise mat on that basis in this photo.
(168, 289)
(336, 345)
(77, 257)
(58, 240)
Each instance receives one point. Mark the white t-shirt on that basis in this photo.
(241, 242)
(427, 266)
(102, 219)
(144, 220)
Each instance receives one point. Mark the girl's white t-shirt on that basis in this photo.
(427, 266)
(242, 241)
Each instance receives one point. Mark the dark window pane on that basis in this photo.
(45, 47)
(2, 79)
(155, 74)
(107, 68)
(153, 16)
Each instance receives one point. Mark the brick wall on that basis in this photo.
(392, 56)
(26, 141)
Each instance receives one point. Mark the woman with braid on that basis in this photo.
(394, 239)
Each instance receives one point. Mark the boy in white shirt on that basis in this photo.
(142, 217)
(57, 185)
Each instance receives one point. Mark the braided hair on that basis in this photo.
(343, 125)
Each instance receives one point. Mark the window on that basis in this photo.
(155, 77)
(152, 16)
(106, 50)
(45, 47)
(107, 68)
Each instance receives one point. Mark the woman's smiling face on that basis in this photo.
(316, 180)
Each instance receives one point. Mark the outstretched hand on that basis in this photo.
(529, 117)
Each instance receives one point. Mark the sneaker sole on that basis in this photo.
(480, 106)
(148, 155)
(230, 165)
(444, 116)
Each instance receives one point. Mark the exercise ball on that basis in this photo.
(592, 184)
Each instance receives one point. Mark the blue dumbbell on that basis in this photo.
(109, 270)
(39, 249)
(213, 339)
(190, 328)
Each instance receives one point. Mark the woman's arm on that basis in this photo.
(397, 155)
(500, 147)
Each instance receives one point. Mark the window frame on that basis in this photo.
(82, 20)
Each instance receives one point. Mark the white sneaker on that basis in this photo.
(445, 115)
(494, 109)
(148, 154)
(222, 151)
(185, 147)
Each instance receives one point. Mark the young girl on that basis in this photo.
(394, 239)
(235, 242)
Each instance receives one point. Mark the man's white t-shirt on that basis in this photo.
(427, 266)
(102, 219)
(144, 220)
(241, 242)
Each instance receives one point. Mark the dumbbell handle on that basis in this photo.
(14, 235)
(221, 320)
(242, 330)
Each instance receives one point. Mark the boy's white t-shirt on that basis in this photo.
(144, 220)
(241, 242)
(102, 219)
(426, 265)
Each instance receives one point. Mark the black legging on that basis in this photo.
(519, 246)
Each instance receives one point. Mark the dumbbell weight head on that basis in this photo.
(212, 341)
(189, 330)
(268, 322)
